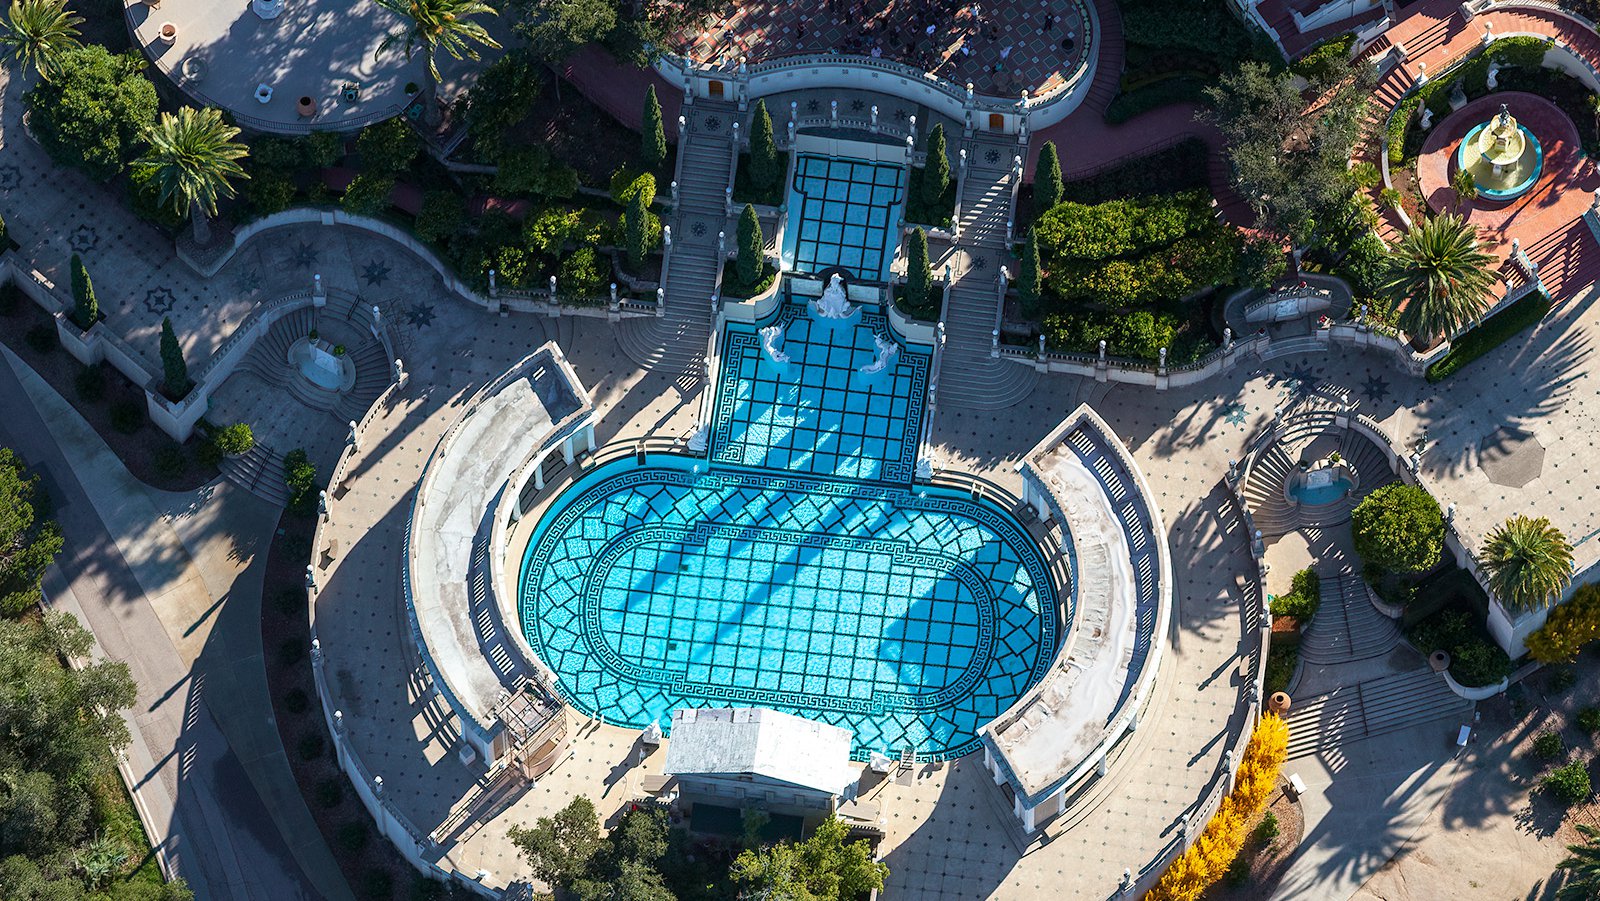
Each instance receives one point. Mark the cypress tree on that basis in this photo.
(634, 223)
(1046, 179)
(85, 309)
(919, 277)
(751, 244)
(1028, 275)
(764, 167)
(653, 135)
(175, 369)
(936, 173)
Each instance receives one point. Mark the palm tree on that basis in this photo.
(434, 25)
(1438, 278)
(1583, 867)
(36, 32)
(192, 157)
(1529, 562)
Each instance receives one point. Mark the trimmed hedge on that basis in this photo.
(1171, 171)
(1303, 599)
(1499, 329)
(1176, 88)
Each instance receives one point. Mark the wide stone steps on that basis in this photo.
(1263, 493)
(1347, 627)
(1374, 707)
(260, 472)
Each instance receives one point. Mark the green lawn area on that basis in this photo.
(1491, 334)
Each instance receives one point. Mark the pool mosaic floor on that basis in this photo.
(798, 567)
(846, 214)
(818, 413)
(910, 617)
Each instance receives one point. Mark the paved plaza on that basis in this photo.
(1002, 47)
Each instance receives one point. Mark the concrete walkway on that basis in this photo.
(171, 585)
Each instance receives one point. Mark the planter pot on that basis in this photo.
(1279, 703)
(306, 107)
(167, 32)
(263, 93)
(1439, 661)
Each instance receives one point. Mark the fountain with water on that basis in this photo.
(1503, 156)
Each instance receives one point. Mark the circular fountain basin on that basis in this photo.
(1517, 171)
(318, 364)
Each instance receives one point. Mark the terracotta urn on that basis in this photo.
(1279, 703)
(306, 107)
(1439, 661)
(168, 32)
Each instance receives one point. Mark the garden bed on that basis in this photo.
(1499, 329)
(745, 189)
(1259, 868)
(920, 212)
(114, 407)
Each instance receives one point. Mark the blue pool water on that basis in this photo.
(843, 213)
(800, 570)
(1317, 495)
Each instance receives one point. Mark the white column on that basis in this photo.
(589, 433)
(538, 475)
(566, 449)
(1061, 802)
(1027, 819)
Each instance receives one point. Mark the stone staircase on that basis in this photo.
(260, 472)
(1372, 707)
(1347, 627)
(973, 379)
(676, 341)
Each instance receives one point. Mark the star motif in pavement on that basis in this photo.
(420, 315)
(900, 115)
(1234, 413)
(1376, 389)
(713, 122)
(858, 105)
(980, 263)
(991, 156)
(10, 178)
(83, 239)
(375, 273)
(698, 229)
(812, 105)
(306, 254)
(247, 280)
(160, 301)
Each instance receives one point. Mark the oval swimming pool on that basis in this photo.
(911, 616)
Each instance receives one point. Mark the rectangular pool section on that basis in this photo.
(818, 413)
(843, 213)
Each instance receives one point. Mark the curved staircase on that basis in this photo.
(1347, 627)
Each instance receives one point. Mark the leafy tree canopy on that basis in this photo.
(1398, 529)
(822, 867)
(94, 110)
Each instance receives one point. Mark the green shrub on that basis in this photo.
(170, 461)
(548, 232)
(207, 453)
(1282, 660)
(235, 439)
(530, 169)
(935, 169)
(90, 383)
(1399, 126)
(443, 213)
(330, 792)
(93, 112)
(127, 416)
(296, 701)
(653, 135)
(1478, 663)
(1523, 50)
(1548, 745)
(1569, 784)
(1139, 335)
(1365, 266)
(766, 167)
(585, 276)
(353, 836)
(312, 746)
(367, 195)
(502, 96)
(42, 338)
(301, 479)
(1499, 329)
(1172, 171)
(175, 371)
(1398, 529)
(1303, 598)
(1561, 678)
(85, 307)
(1177, 88)
(387, 148)
(1268, 829)
(269, 192)
(1325, 60)
(1589, 720)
